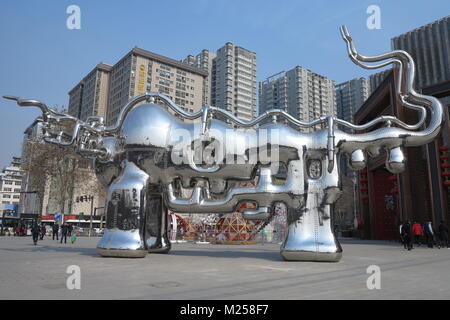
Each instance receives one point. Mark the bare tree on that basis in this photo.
(60, 168)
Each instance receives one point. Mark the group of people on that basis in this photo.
(417, 233)
(66, 231)
(20, 231)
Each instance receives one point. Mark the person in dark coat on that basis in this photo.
(35, 229)
(429, 233)
(407, 235)
(64, 232)
(55, 229)
(42, 231)
(443, 235)
(70, 229)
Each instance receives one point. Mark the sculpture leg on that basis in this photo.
(156, 227)
(125, 214)
(309, 236)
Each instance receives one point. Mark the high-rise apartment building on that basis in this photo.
(233, 83)
(429, 46)
(140, 71)
(90, 96)
(10, 182)
(300, 92)
(106, 89)
(204, 61)
(350, 95)
(10, 189)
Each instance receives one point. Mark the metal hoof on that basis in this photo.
(158, 245)
(299, 255)
(121, 253)
(120, 243)
(298, 249)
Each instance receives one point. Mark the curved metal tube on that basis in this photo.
(406, 68)
(409, 98)
(264, 193)
(44, 108)
(206, 112)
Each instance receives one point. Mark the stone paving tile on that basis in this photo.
(206, 271)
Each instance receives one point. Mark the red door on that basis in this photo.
(385, 216)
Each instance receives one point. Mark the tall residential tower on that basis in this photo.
(350, 95)
(204, 61)
(90, 96)
(106, 89)
(300, 92)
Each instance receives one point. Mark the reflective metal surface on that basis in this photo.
(159, 157)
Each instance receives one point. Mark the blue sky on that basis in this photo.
(40, 58)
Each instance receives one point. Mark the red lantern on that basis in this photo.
(445, 165)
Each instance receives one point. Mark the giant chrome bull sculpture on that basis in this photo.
(154, 160)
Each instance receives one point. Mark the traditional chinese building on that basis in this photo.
(421, 192)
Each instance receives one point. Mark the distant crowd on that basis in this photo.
(424, 233)
(38, 232)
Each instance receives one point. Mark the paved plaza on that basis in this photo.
(207, 271)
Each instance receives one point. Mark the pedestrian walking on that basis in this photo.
(64, 231)
(73, 238)
(55, 229)
(429, 234)
(400, 232)
(417, 233)
(443, 235)
(42, 231)
(70, 229)
(35, 232)
(407, 235)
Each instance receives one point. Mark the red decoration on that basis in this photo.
(445, 165)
